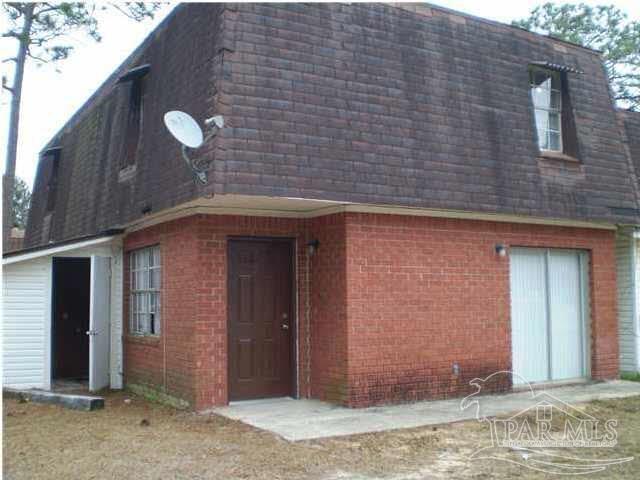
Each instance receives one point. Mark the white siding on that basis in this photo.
(25, 323)
(626, 298)
(26, 317)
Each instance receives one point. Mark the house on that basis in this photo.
(627, 257)
(402, 199)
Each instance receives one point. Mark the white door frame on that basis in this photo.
(112, 249)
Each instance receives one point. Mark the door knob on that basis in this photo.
(285, 326)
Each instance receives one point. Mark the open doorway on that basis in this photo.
(70, 319)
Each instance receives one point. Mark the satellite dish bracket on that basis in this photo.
(200, 173)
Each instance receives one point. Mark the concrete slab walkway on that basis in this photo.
(307, 419)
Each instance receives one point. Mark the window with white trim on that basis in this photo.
(145, 272)
(546, 94)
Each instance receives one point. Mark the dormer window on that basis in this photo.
(135, 79)
(546, 94)
(554, 121)
(134, 122)
(52, 185)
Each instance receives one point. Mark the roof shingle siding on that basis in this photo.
(371, 103)
(630, 121)
(365, 103)
(92, 195)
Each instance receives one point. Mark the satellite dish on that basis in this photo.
(184, 128)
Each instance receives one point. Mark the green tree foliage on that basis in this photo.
(21, 203)
(51, 23)
(604, 28)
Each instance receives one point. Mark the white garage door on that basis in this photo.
(548, 314)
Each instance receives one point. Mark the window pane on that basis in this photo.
(144, 279)
(542, 121)
(554, 141)
(155, 257)
(543, 140)
(145, 291)
(541, 97)
(155, 279)
(144, 327)
(555, 99)
(546, 95)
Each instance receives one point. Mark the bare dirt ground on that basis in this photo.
(143, 440)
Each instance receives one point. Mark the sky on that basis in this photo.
(52, 93)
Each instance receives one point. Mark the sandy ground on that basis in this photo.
(143, 440)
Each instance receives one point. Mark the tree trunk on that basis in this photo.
(8, 180)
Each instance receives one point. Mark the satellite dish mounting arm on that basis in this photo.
(215, 123)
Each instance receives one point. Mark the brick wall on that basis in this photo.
(168, 361)
(424, 293)
(328, 284)
(394, 302)
(189, 359)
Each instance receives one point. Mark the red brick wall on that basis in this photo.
(395, 301)
(328, 284)
(167, 361)
(211, 318)
(424, 293)
(194, 304)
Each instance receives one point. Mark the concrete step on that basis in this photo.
(75, 402)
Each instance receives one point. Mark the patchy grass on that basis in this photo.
(143, 440)
(632, 376)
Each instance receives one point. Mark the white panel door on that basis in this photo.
(530, 355)
(565, 305)
(99, 323)
(548, 311)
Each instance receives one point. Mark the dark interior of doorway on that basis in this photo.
(70, 342)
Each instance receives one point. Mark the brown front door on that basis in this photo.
(260, 318)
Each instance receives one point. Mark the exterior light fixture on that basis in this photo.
(312, 246)
(501, 250)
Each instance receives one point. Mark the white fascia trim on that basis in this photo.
(56, 250)
(489, 217)
(199, 207)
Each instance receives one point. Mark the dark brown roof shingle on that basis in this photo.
(365, 103)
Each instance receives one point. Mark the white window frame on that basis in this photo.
(544, 135)
(145, 316)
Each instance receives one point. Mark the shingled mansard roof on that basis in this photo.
(368, 103)
(630, 126)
